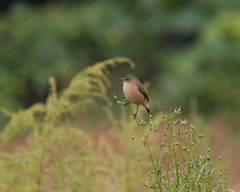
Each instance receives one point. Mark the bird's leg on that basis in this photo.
(125, 105)
(135, 115)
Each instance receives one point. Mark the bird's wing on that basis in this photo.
(141, 89)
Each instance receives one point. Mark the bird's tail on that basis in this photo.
(148, 110)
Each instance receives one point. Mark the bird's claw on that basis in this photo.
(125, 105)
(134, 115)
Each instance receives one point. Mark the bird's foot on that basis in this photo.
(134, 115)
(125, 105)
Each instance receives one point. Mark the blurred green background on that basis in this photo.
(189, 51)
(184, 48)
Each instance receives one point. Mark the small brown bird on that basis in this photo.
(134, 92)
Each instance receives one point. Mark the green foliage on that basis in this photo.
(183, 170)
(192, 46)
(209, 67)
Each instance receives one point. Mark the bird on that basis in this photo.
(134, 92)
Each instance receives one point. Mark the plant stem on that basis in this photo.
(180, 155)
(159, 149)
(169, 144)
(174, 151)
(150, 154)
(192, 151)
(143, 136)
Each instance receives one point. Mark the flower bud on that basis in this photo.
(219, 158)
(144, 142)
(164, 133)
(179, 109)
(155, 128)
(191, 126)
(150, 128)
(163, 114)
(208, 149)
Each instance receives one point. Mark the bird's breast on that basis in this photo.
(132, 94)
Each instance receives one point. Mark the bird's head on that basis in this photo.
(128, 79)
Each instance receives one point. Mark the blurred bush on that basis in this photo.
(60, 157)
(186, 49)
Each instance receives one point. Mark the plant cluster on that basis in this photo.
(183, 170)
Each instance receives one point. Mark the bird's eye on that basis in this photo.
(127, 79)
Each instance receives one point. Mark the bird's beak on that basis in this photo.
(121, 79)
